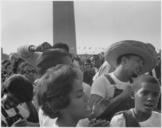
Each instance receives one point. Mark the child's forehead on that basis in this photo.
(149, 86)
(146, 82)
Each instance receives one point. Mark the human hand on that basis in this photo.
(127, 92)
(99, 108)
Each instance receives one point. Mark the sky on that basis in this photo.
(98, 23)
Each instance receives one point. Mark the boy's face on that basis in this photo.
(147, 97)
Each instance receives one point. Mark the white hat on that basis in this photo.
(146, 51)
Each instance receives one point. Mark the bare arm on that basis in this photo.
(116, 101)
(102, 107)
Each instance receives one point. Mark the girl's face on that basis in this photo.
(79, 107)
(10, 101)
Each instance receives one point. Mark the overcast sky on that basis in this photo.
(98, 23)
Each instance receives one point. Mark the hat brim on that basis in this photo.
(113, 54)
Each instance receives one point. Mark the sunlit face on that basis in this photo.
(79, 107)
(134, 65)
(10, 101)
(147, 97)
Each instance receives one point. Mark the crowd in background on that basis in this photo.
(20, 90)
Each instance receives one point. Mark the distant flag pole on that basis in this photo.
(64, 24)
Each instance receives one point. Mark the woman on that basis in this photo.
(60, 95)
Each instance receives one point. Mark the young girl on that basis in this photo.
(60, 96)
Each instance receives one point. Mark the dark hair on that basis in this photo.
(149, 79)
(51, 58)
(125, 55)
(61, 45)
(145, 78)
(53, 89)
(20, 87)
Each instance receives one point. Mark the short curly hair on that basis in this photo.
(54, 87)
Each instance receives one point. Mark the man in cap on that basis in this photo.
(112, 92)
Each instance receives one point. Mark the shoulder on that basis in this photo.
(101, 79)
(101, 83)
(101, 86)
(118, 120)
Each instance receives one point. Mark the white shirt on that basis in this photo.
(102, 87)
(45, 120)
(153, 121)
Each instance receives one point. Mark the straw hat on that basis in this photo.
(146, 51)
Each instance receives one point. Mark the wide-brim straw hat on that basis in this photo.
(146, 51)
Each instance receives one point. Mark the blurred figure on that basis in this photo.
(30, 53)
(89, 72)
(16, 102)
(51, 58)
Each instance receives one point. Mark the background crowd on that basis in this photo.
(26, 86)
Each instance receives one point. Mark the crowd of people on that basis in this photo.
(46, 86)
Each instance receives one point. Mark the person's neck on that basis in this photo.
(121, 75)
(67, 122)
(141, 116)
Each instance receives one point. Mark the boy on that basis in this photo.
(146, 93)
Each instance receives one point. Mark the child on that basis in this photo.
(16, 103)
(146, 93)
(60, 96)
